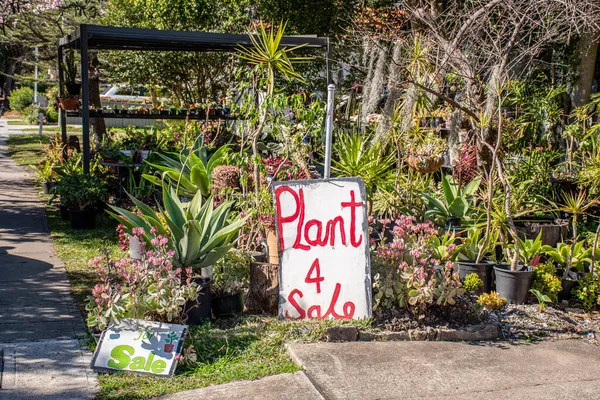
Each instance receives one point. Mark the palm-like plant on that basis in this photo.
(267, 55)
(457, 201)
(199, 233)
(189, 171)
(357, 156)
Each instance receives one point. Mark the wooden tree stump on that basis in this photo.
(263, 295)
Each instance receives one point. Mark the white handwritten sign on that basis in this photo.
(145, 347)
(323, 243)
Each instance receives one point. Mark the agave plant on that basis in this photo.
(188, 171)
(200, 234)
(457, 201)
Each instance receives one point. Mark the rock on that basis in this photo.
(367, 337)
(394, 336)
(420, 335)
(564, 303)
(475, 333)
(342, 334)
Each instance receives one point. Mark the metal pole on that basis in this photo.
(85, 102)
(35, 84)
(329, 129)
(62, 121)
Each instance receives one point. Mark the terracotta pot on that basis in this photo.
(70, 104)
(425, 165)
(168, 347)
(272, 246)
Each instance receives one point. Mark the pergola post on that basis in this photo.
(62, 120)
(85, 101)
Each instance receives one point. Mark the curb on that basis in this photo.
(471, 334)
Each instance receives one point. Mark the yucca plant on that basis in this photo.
(189, 171)
(357, 156)
(199, 233)
(267, 55)
(457, 201)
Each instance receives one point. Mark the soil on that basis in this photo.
(518, 322)
(464, 313)
(526, 322)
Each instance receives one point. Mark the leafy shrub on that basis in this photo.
(21, 98)
(472, 282)
(231, 274)
(150, 288)
(406, 272)
(546, 282)
(81, 192)
(491, 300)
(588, 291)
(51, 115)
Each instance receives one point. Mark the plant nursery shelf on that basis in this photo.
(95, 114)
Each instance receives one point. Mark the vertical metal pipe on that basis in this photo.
(35, 84)
(85, 101)
(329, 129)
(61, 113)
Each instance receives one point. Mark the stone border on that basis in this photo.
(472, 333)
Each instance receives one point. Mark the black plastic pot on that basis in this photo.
(484, 270)
(228, 305)
(64, 213)
(453, 224)
(567, 286)
(82, 219)
(48, 187)
(199, 311)
(513, 285)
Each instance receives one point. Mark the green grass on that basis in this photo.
(26, 149)
(17, 122)
(242, 348)
(54, 129)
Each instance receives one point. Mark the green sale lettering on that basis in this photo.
(121, 359)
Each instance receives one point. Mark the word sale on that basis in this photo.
(315, 311)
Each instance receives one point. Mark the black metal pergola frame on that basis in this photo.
(96, 37)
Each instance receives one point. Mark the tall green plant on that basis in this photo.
(357, 156)
(199, 233)
(267, 56)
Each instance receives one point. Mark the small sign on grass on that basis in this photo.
(145, 347)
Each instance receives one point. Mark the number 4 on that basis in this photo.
(314, 275)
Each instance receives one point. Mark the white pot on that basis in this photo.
(135, 248)
(207, 272)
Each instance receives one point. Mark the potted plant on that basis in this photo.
(69, 101)
(199, 233)
(470, 258)
(427, 155)
(571, 261)
(81, 194)
(46, 175)
(231, 275)
(170, 340)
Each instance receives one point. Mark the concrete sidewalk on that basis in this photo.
(277, 387)
(448, 370)
(35, 301)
